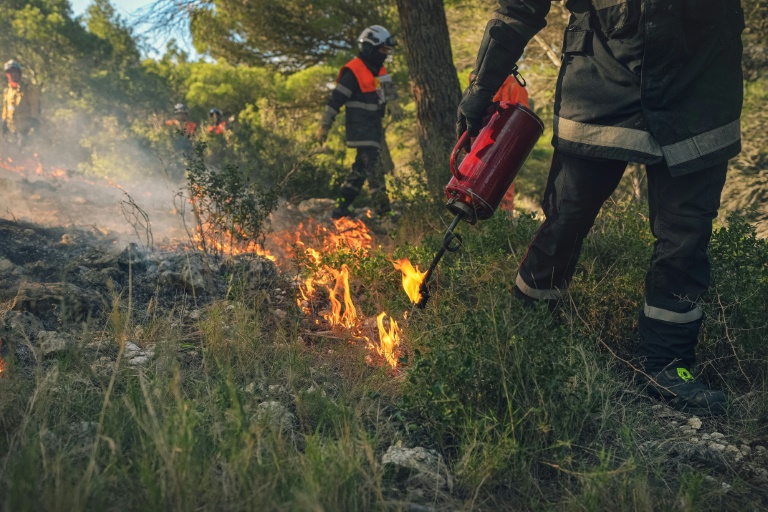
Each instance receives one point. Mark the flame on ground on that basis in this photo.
(351, 233)
(389, 340)
(32, 167)
(412, 278)
(2, 363)
(348, 318)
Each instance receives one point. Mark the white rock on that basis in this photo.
(275, 414)
(717, 435)
(138, 360)
(428, 465)
(694, 423)
(52, 342)
(132, 349)
(6, 265)
(716, 446)
(250, 388)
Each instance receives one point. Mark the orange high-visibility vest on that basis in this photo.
(364, 76)
(512, 92)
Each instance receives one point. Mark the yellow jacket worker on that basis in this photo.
(21, 102)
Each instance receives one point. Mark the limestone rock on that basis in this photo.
(52, 342)
(694, 423)
(418, 465)
(57, 301)
(275, 415)
(137, 356)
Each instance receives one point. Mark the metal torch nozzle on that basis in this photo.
(451, 243)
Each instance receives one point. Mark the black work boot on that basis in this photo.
(682, 391)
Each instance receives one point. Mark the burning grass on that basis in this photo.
(245, 409)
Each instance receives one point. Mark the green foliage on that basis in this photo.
(511, 391)
(231, 211)
(298, 34)
(736, 310)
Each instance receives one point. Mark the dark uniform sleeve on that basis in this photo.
(346, 85)
(525, 17)
(513, 24)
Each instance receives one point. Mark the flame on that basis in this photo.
(32, 167)
(389, 340)
(350, 233)
(348, 318)
(412, 278)
(232, 243)
(2, 363)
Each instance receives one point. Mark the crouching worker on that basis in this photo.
(363, 86)
(658, 83)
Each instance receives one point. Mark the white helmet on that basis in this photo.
(11, 64)
(180, 108)
(377, 36)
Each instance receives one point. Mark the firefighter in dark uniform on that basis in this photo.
(364, 86)
(648, 81)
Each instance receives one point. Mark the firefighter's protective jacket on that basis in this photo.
(187, 128)
(645, 80)
(21, 107)
(365, 92)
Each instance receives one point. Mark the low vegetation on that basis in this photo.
(531, 409)
(246, 405)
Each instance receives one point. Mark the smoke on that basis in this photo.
(97, 172)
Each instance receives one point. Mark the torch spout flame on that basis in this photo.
(412, 278)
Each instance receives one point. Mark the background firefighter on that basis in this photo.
(181, 121)
(645, 81)
(218, 125)
(364, 86)
(21, 104)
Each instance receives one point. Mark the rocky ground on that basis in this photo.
(53, 280)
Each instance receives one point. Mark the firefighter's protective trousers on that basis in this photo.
(682, 209)
(367, 166)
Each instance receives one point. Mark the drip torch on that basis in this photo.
(482, 178)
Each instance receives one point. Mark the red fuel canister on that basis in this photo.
(482, 178)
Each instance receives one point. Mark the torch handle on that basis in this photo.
(449, 237)
(462, 142)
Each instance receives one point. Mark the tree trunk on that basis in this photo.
(434, 83)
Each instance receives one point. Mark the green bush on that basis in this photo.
(230, 211)
(736, 310)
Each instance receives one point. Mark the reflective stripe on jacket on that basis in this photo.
(361, 91)
(645, 80)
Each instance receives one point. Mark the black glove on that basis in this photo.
(496, 60)
(475, 106)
